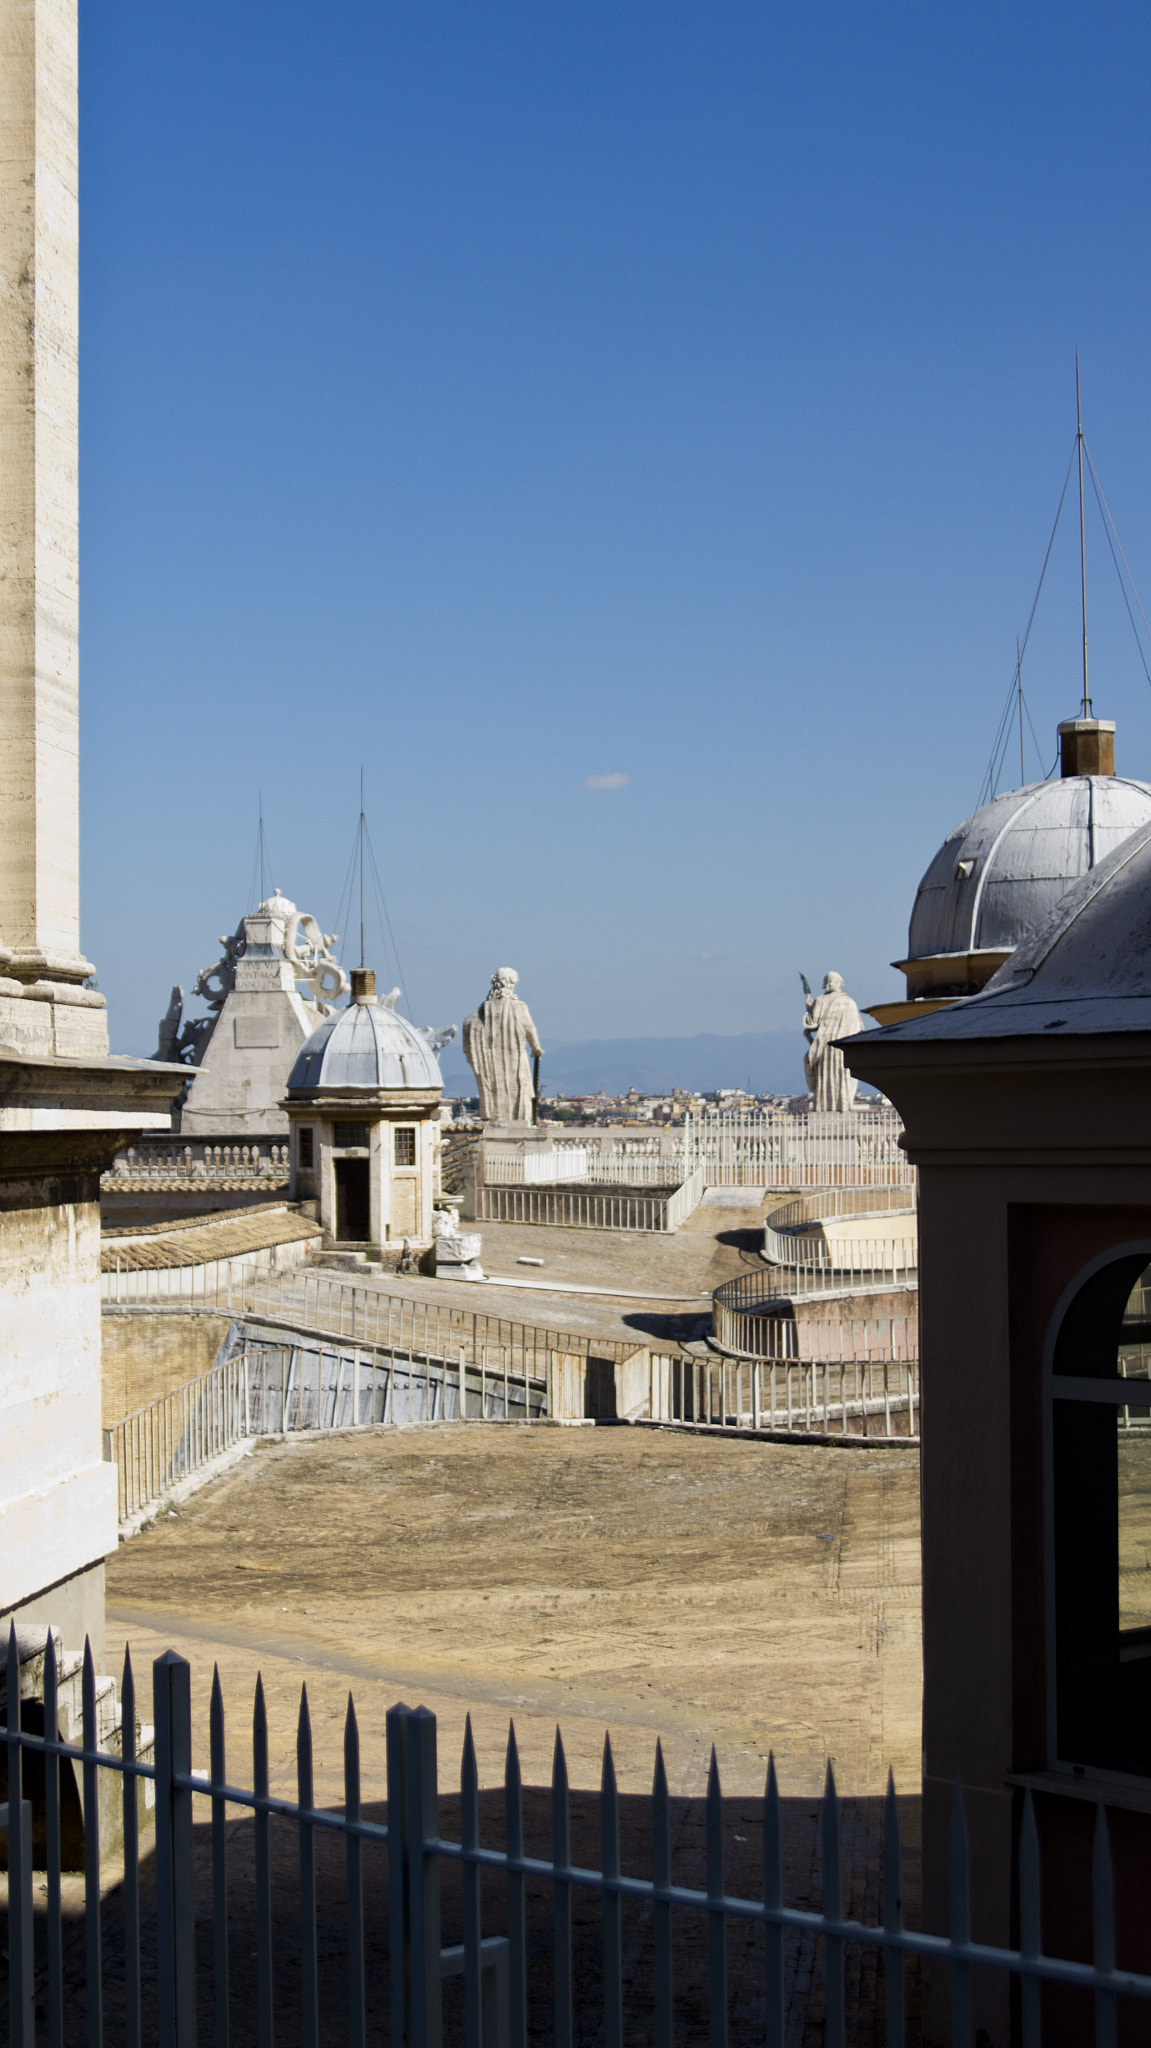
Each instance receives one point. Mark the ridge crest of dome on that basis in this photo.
(367, 1045)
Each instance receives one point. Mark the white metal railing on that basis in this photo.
(825, 1203)
(143, 1165)
(810, 1265)
(278, 1389)
(307, 1299)
(872, 1399)
(774, 1149)
(590, 1208)
(685, 1199)
(745, 1319)
(583, 1163)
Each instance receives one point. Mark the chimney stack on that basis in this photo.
(1087, 746)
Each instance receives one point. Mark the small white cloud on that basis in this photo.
(615, 781)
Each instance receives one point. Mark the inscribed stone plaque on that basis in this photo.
(260, 1028)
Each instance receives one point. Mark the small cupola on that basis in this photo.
(1086, 747)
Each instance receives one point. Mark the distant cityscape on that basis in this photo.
(637, 1108)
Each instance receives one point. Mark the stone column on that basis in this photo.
(39, 284)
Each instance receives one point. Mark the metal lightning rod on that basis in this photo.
(1086, 709)
(361, 867)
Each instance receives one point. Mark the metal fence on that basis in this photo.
(821, 1204)
(593, 1208)
(339, 1307)
(810, 1265)
(864, 1388)
(585, 1163)
(494, 1968)
(873, 1400)
(746, 1319)
(819, 1149)
(279, 1389)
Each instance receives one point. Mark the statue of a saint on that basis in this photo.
(498, 1039)
(827, 1017)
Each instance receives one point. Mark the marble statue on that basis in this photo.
(182, 1039)
(499, 1039)
(826, 1017)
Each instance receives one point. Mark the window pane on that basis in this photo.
(405, 1146)
(1134, 1538)
(1105, 1319)
(350, 1134)
(1135, 1334)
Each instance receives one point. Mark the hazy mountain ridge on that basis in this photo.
(767, 1062)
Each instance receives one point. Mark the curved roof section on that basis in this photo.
(366, 1045)
(1004, 869)
(1086, 969)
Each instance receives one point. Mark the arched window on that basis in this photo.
(1100, 1448)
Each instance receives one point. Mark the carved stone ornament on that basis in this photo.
(310, 952)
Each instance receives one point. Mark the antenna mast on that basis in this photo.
(263, 890)
(1019, 691)
(1086, 707)
(361, 867)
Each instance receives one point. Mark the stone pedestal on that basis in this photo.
(61, 1123)
(458, 1255)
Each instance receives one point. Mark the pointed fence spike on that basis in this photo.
(55, 1926)
(354, 1862)
(561, 1859)
(833, 1910)
(309, 1957)
(21, 1979)
(131, 1882)
(516, 1904)
(1103, 1916)
(219, 1776)
(612, 1901)
(773, 1899)
(91, 1802)
(661, 1879)
(1029, 1924)
(895, 1987)
(470, 1876)
(263, 1872)
(716, 1919)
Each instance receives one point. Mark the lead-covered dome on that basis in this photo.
(1004, 869)
(368, 1045)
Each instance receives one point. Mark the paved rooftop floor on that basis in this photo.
(760, 1596)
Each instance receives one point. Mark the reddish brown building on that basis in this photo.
(1028, 1113)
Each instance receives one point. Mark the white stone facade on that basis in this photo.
(65, 1108)
(241, 1077)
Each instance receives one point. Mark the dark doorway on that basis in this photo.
(353, 1201)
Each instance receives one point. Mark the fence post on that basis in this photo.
(414, 1878)
(21, 1981)
(175, 1926)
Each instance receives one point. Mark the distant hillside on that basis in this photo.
(766, 1062)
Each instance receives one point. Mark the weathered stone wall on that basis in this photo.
(58, 1511)
(149, 1351)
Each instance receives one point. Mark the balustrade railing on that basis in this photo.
(199, 1161)
(816, 1149)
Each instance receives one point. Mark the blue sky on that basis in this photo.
(502, 398)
